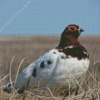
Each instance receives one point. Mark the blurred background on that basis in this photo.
(29, 28)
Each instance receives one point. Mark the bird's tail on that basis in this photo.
(8, 87)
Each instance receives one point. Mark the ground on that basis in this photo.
(33, 47)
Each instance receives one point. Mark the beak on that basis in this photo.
(81, 30)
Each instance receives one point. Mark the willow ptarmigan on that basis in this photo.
(58, 68)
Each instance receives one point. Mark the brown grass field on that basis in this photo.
(33, 47)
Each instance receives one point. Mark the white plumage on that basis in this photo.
(67, 72)
(26, 79)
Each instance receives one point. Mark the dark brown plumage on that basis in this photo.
(69, 37)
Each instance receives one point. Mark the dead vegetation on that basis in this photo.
(30, 48)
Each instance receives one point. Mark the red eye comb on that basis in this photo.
(74, 27)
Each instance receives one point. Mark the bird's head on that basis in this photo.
(73, 30)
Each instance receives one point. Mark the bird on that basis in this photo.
(60, 68)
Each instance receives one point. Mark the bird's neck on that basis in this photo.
(67, 41)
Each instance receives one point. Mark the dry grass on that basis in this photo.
(34, 46)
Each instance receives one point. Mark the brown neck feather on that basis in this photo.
(68, 40)
(77, 50)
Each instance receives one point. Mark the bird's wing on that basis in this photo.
(44, 68)
(24, 76)
(41, 69)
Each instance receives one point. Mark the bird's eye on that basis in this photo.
(72, 28)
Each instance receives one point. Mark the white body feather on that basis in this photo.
(26, 79)
(67, 72)
(62, 72)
